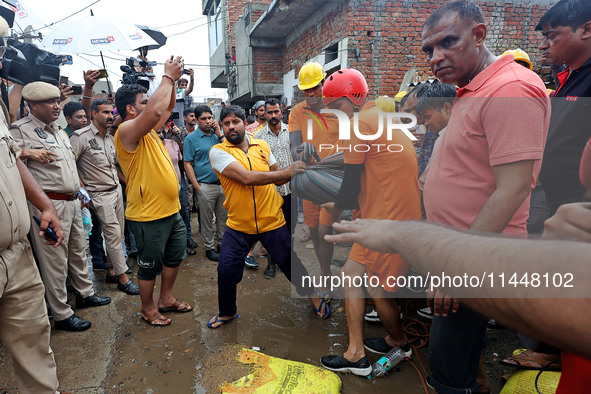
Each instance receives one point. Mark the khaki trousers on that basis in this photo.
(108, 208)
(25, 327)
(211, 201)
(66, 261)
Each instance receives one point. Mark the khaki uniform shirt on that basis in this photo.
(14, 213)
(60, 176)
(95, 159)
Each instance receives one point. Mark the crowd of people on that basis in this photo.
(497, 155)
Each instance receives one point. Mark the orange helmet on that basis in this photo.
(348, 83)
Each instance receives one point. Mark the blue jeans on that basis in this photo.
(184, 209)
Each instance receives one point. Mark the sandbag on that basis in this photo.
(275, 375)
(523, 382)
(321, 182)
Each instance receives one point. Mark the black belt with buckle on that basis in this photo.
(212, 183)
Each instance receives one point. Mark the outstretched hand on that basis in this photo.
(372, 233)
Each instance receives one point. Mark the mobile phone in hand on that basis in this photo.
(49, 233)
(103, 73)
(76, 90)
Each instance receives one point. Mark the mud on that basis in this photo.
(121, 353)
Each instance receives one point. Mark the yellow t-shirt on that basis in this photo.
(251, 209)
(152, 184)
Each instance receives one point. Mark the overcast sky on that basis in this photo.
(189, 39)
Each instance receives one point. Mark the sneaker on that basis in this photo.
(372, 316)
(340, 364)
(427, 313)
(380, 346)
(251, 263)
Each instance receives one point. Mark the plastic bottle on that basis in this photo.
(86, 220)
(386, 363)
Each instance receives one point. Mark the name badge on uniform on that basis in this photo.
(40, 132)
(94, 145)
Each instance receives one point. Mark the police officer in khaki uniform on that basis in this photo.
(48, 155)
(25, 327)
(96, 161)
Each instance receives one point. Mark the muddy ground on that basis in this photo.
(121, 353)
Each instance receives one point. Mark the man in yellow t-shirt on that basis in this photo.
(249, 172)
(152, 191)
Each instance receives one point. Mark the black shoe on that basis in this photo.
(192, 244)
(212, 255)
(73, 323)
(341, 364)
(129, 288)
(380, 346)
(270, 271)
(93, 300)
(111, 279)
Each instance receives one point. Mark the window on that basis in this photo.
(216, 25)
(331, 53)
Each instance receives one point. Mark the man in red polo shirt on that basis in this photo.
(484, 171)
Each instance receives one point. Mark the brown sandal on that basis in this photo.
(176, 307)
(532, 360)
(154, 318)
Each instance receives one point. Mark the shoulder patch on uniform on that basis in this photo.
(40, 132)
(94, 145)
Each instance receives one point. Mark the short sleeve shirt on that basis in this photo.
(500, 117)
(279, 145)
(14, 213)
(320, 130)
(196, 150)
(95, 158)
(60, 176)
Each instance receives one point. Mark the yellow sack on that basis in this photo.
(523, 382)
(275, 375)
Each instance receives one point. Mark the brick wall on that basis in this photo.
(268, 64)
(388, 37)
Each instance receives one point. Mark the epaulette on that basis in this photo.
(82, 130)
(21, 122)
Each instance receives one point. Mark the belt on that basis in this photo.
(62, 196)
(105, 191)
(212, 183)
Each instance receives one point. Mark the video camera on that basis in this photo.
(23, 63)
(131, 76)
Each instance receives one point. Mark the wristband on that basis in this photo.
(169, 77)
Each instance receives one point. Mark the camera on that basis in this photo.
(23, 63)
(131, 76)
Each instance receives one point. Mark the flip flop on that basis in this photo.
(176, 307)
(218, 320)
(323, 301)
(532, 360)
(155, 317)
